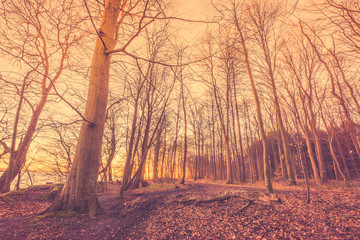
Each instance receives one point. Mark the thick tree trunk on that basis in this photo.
(79, 191)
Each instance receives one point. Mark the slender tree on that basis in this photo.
(47, 32)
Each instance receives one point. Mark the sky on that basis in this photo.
(193, 10)
(187, 9)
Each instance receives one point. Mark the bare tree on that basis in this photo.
(79, 191)
(215, 74)
(264, 19)
(112, 137)
(61, 148)
(239, 26)
(28, 37)
(305, 69)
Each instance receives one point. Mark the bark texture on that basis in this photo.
(79, 191)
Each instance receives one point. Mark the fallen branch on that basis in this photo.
(185, 200)
(219, 198)
(246, 205)
(249, 197)
(212, 199)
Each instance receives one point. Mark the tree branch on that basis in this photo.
(92, 22)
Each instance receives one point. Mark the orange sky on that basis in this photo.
(188, 9)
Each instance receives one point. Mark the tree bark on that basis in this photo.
(185, 133)
(242, 161)
(156, 155)
(9, 177)
(267, 175)
(79, 191)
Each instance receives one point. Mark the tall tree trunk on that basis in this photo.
(129, 155)
(281, 159)
(283, 134)
(196, 154)
(139, 175)
(284, 138)
(226, 137)
(267, 174)
(248, 140)
(336, 160)
(174, 148)
(320, 156)
(213, 140)
(19, 158)
(236, 154)
(330, 134)
(304, 168)
(343, 159)
(357, 148)
(164, 152)
(311, 155)
(156, 155)
(79, 191)
(185, 152)
(10, 173)
(221, 156)
(242, 161)
(185, 133)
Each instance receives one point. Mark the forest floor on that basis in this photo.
(161, 212)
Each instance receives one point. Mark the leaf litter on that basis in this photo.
(157, 214)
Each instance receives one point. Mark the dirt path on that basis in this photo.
(153, 213)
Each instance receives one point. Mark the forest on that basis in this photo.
(159, 119)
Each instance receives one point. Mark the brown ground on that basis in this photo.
(153, 213)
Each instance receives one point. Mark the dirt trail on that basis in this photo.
(125, 215)
(154, 214)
